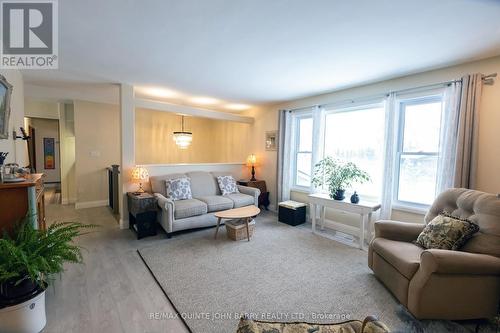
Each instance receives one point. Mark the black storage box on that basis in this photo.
(292, 212)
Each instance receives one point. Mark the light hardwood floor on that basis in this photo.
(113, 291)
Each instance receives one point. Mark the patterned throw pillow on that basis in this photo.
(446, 232)
(178, 188)
(227, 185)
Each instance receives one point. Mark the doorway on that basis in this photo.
(44, 154)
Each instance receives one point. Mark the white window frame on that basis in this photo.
(344, 109)
(295, 149)
(402, 102)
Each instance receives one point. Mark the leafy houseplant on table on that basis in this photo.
(28, 262)
(338, 175)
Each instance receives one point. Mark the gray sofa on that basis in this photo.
(199, 211)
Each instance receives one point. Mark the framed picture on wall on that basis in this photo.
(271, 140)
(49, 153)
(5, 93)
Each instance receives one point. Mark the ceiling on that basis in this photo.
(261, 51)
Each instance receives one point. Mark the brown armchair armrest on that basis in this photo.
(458, 262)
(398, 231)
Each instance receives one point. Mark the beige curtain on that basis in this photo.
(468, 131)
(283, 171)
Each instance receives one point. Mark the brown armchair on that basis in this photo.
(443, 284)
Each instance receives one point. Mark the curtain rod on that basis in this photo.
(487, 79)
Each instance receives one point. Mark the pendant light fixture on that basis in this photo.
(183, 138)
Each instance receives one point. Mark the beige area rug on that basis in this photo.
(282, 274)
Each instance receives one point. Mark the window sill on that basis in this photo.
(304, 190)
(410, 209)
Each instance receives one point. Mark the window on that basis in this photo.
(303, 151)
(418, 150)
(357, 135)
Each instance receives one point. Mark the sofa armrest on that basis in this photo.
(167, 206)
(398, 231)
(458, 262)
(254, 192)
(163, 202)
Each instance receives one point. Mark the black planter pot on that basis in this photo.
(339, 195)
(10, 294)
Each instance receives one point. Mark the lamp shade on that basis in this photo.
(139, 174)
(183, 139)
(251, 160)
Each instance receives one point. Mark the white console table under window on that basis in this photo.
(363, 208)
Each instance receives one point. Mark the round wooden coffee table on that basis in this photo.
(237, 213)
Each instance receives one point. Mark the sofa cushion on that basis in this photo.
(227, 185)
(203, 184)
(178, 189)
(446, 232)
(188, 208)
(403, 256)
(158, 182)
(240, 199)
(216, 203)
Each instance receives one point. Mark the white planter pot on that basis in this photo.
(27, 317)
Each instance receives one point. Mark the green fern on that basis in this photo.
(40, 254)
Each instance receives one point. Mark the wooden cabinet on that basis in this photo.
(18, 200)
(261, 185)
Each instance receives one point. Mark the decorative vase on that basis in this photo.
(338, 195)
(355, 198)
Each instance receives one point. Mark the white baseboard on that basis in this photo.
(68, 201)
(342, 227)
(124, 224)
(272, 208)
(91, 204)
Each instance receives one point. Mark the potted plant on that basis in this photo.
(338, 176)
(29, 261)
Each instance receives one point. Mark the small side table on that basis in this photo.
(261, 185)
(142, 210)
(364, 209)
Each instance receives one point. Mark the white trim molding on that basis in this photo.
(68, 201)
(188, 164)
(124, 224)
(91, 204)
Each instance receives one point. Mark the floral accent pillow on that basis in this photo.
(446, 232)
(178, 188)
(227, 185)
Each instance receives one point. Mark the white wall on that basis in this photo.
(40, 109)
(97, 139)
(17, 149)
(266, 118)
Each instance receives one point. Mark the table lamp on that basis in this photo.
(251, 161)
(139, 174)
